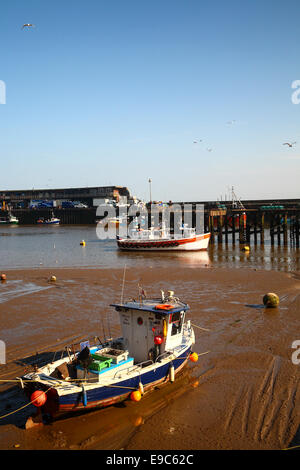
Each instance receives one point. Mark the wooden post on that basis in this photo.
(220, 228)
(285, 229)
(255, 229)
(233, 228)
(226, 229)
(262, 229)
(248, 230)
(272, 229)
(278, 221)
(211, 224)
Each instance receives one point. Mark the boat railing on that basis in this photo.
(132, 368)
(166, 353)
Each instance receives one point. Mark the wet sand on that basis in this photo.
(244, 394)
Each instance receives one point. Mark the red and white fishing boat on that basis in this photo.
(161, 240)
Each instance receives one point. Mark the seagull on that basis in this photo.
(196, 141)
(27, 25)
(289, 144)
(231, 122)
(209, 149)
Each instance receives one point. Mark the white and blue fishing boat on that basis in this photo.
(156, 344)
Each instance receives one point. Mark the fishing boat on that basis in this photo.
(51, 221)
(9, 220)
(160, 239)
(155, 345)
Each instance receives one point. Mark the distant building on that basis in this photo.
(23, 198)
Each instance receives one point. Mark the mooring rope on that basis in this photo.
(22, 407)
(200, 328)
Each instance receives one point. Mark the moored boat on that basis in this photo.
(51, 221)
(161, 240)
(9, 220)
(155, 345)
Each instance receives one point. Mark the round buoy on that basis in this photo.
(38, 398)
(53, 278)
(135, 396)
(158, 340)
(246, 248)
(3, 277)
(193, 357)
(82, 243)
(271, 300)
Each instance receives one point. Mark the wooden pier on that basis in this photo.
(251, 226)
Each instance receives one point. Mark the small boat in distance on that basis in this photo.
(51, 221)
(161, 240)
(156, 344)
(9, 220)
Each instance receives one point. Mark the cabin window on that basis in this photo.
(140, 321)
(176, 323)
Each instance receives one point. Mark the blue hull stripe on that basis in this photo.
(104, 393)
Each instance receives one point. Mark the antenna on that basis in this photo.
(123, 284)
(108, 326)
(104, 335)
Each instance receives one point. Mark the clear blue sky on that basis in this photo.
(114, 92)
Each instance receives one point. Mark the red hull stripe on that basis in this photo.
(166, 243)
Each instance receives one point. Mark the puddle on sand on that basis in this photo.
(13, 289)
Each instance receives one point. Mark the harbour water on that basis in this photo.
(24, 247)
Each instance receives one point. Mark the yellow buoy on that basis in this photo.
(3, 277)
(53, 278)
(271, 300)
(82, 243)
(246, 248)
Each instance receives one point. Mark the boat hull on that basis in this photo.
(197, 243)
(103, 396)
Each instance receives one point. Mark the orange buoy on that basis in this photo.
(38, 398)
(135, 396)
(3, 277)
(193, 357)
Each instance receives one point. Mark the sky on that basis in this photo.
(102, 93)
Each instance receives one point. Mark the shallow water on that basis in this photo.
(59, 246)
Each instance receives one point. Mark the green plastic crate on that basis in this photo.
(99, 364)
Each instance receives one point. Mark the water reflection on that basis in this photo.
(59, 246)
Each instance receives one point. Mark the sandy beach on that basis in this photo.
(243, 394)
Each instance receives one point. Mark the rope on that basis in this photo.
(186, 357)
(200, 328)
(22, 407)
(291, 448)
